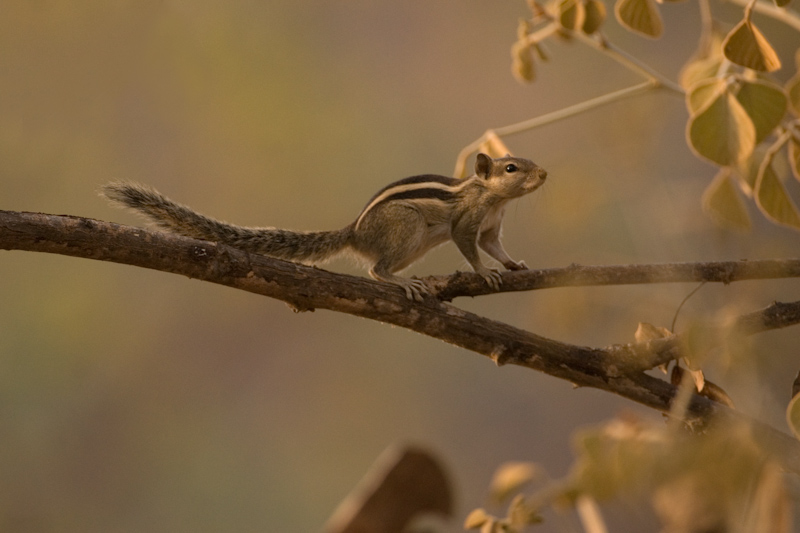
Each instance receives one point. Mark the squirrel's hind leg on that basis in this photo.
(394, 239)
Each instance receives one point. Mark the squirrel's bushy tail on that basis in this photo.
(283, 244)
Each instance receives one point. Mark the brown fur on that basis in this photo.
(399, 225)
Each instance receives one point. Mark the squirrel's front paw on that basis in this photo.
(492, 278)
(415, 289)
(514, 265)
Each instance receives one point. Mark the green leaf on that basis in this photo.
(704, 92)
(772, 199)
(745, 45)
(722, 131)
(723, 203)
(765, 104)
(640, 16)
(793, 415)
(595, 15)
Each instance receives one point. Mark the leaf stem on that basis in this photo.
(549, 118)
(654, 81)
(787, 16)
(628, 61)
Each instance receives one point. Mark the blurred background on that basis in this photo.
(133, 400)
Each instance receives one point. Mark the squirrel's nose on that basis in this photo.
(542, 173)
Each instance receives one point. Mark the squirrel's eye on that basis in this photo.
(511, 168)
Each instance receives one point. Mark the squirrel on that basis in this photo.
(399, 225)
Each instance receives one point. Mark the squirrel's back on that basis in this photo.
(177, 218)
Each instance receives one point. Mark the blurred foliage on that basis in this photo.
(736, 105)
(740, 118)
(132, 400)
(680, 475)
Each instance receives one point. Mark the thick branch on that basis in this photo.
(307, 288)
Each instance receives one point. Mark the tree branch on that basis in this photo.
(701, 339)
(469, 284)
(306, 288)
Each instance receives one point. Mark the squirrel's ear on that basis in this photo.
(483, 166)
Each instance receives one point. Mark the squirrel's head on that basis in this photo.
(509, 176)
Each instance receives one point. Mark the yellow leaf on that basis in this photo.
(765, 104)
(615, 458)
(476, 519)
(793, 415)
(647, 332)
(510, 477)
(595, 15)
(722, 131)
(523, 29)
(705, 62)
(493, 526)
(794, 157)
(748, 169)
(522, 62)
(493, 146)
(571, 14)
(745, 45)
(793, 90)
(699, 69)
(703, 92)
(641, 16)
(521, 514)
(723, 204)
(772, 199)
(770, 510)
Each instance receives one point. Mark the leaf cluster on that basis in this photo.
(743, 121)
(678, 474)
(521, 512)
(741, 118)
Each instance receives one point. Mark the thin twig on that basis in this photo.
(549, 118)
(706, 26)
(783, 14)
(654, 80)
(628, 61)
(650, 354)
(680, 306)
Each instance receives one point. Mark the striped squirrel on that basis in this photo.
(399, 224)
